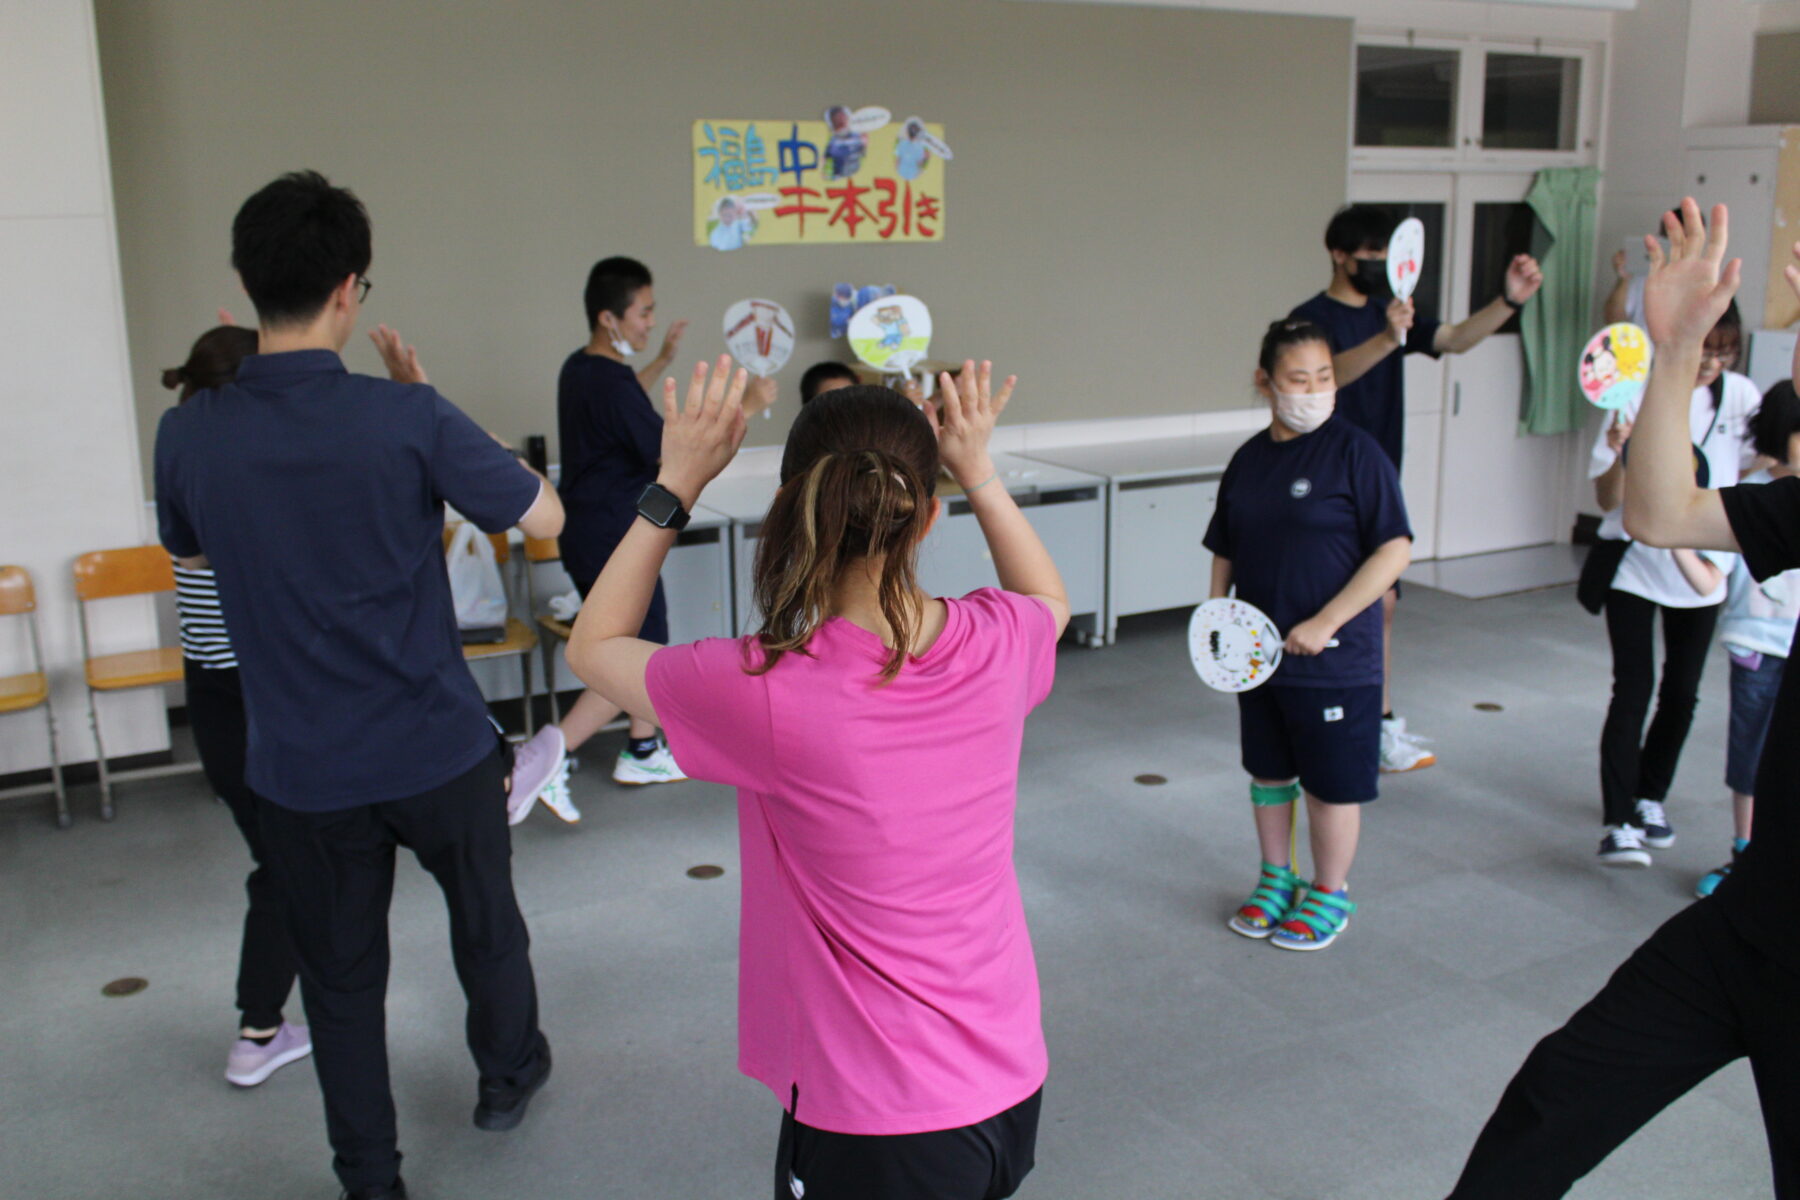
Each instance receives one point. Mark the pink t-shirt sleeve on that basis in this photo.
(714, 713)
(1026, 627)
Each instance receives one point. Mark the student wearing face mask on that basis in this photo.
(611, 443)
(1311, 528)
(1365, 326)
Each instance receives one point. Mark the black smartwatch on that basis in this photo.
(662, 508)
(1507, 300)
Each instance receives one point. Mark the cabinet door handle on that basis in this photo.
(1456, 399)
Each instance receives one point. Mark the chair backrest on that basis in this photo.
(539, 550)
(132, 571)
(16, 593)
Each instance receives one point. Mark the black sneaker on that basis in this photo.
(1623, 846)
(381, 1191)
(1651, 818)
(499, 1108)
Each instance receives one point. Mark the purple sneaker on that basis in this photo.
(249, 1064)
(535, 764)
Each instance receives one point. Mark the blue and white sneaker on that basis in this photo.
(1623, 846)
(1658, 833)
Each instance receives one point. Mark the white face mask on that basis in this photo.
(622, 347)
(1304, 412)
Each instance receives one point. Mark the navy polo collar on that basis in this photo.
(291, 362)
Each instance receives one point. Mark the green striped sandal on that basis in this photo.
(1316, 923)
(1269, 905)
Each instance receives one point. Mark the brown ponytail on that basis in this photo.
(857, 479)
(213, 361)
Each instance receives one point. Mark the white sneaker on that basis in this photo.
(1623, 846)
(1402, 751)
(557, 799)
(535, 764)
(659, 767)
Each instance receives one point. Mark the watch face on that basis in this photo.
(658, 505)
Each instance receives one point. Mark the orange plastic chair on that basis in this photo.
(22, 693)
(520, 640)
(104, 575)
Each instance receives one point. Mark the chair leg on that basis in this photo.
(106, 798)
(63, 820)
(550, 681)
(525, 696)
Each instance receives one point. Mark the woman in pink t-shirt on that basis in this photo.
(887, 991)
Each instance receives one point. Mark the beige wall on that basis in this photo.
(1775, 80)
(1136, 191)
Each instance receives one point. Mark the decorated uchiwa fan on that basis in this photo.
(1234, 645)
(1615, 366)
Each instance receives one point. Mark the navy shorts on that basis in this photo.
(656, 621)
(1752, 704)
(1328, 738)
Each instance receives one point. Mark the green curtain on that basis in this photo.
(1554, 326)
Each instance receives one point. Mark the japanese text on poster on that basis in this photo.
(773, 183)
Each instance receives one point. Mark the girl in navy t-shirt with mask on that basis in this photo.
(1310, 528)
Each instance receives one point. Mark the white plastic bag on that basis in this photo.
(475, 585)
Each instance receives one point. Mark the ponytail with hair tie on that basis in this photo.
(865, 499)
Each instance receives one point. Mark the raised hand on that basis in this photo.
(1620, 265)
(969, 409)
(402, 361)
(1523, 279)
(1617, 434)
(701, 436)
(1400, 318)
(671, 344)
(761, 395)
(1687, 291)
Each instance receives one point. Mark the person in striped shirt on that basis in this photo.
(266, 1041)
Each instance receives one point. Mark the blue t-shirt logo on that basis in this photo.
(1300, 489)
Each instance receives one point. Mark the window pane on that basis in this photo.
(1428, 297)
(1501, 231)
(1405, 97)
(1532, 101)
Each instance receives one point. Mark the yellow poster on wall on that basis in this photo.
(856, 177)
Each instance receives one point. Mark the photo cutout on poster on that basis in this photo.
(891, 333)
(1615, 366)
(760, 335)
(847, 134)
(846, 298)
(914, 147)
(733, 220)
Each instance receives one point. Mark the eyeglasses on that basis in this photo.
(1726, 356)
(363, 287)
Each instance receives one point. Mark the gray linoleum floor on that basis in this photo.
(1186, 1061)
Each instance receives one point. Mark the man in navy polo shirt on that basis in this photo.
(318, 498)
(1366, 325)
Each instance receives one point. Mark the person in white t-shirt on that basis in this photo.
(1685, 588)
